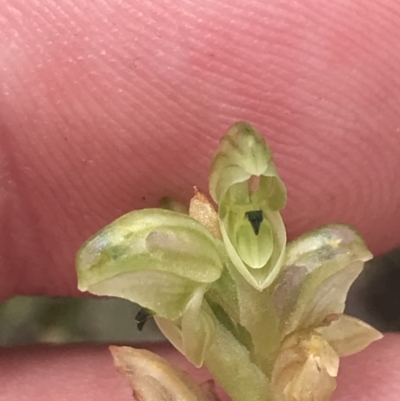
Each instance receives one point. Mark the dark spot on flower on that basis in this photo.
(255, 218)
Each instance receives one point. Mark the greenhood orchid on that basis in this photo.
(245, 184)
(264, 316)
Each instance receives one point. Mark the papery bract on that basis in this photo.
(305, 369)
(202, 210)
(152, 378)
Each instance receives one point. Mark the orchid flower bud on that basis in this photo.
(245, 184)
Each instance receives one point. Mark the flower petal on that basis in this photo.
(349, 335)
(154, 378)
(198, 329)
(320, 267)
(243, 153)
(150, 240)
(193, 333)
(265, 252)
(166, 294)
(154, 257)
(245, 184)
(254, 253)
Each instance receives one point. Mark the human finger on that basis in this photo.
(108, 106)
(87, 373)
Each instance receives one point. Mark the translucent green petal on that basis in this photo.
(193, 333)
(245, 184)
(150, 240)
(198, 329)
(263, 253)
(329, 300)
(319, 269)
(241, 155)
(164, 293)
(348, 335)
(254, 252)
(171, 331)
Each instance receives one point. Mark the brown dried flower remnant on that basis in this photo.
(152, 378)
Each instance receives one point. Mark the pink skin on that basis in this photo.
(106, 106)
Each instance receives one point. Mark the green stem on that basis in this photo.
(230, 364)
(258, 317)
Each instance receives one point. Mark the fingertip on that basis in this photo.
(372, 374)
(88, 374)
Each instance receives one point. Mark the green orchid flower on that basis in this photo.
(309, 300)
(265, 317)
(164, 261)
(245, 184)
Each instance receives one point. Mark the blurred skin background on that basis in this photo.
(108, 105)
